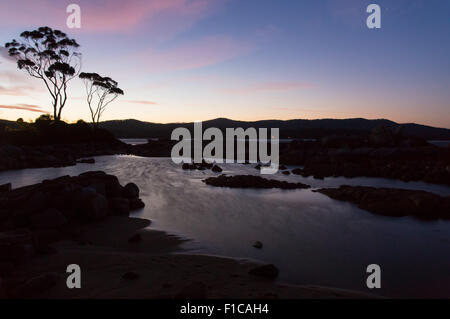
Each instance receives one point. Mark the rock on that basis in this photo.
(95, 207)
(258, 244)
(130, 275)
(282, 167)
(216, 169)
(46, 236)
(131, 190)
(286, 173)
(86, 161)
(136, 238)
(265, 271)
(119, 206)
(34, 287)
(297, 171)
(392, 201)
(136, 203)
(195, 290)
(251, 181)
(188, 166)
(51, 218)
(5, 188)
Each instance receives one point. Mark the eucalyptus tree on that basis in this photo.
(51, 56)
(100, 92)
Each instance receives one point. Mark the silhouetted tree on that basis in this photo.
(104, 88)
(51, 56)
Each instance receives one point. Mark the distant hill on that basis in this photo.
(290, 128)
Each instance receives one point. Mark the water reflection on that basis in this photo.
(310, 237)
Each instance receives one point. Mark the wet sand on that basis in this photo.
(160, 268)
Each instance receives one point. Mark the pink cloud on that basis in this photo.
(24, 107)
(199, 53)
(109, 15)
(268, 86)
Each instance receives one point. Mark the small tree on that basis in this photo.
(104, 89)
(51, 56)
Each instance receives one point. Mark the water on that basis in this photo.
(311, 238)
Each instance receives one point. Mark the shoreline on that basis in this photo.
(109, 256)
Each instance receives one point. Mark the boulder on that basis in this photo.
(119, 206)
(136, 238)
(50, 218)
(258, 244)
(216, 169)
(95, 207)
(5, 188)
(130, 190)
(136, 203)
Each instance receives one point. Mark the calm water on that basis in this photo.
(311, 238)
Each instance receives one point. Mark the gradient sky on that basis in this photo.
(185, 60)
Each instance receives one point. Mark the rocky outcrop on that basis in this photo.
(251, 181)
(392, 201)
(58, 155)
(430, 164)
(32, 217)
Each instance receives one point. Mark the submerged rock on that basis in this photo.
(258, 244)
(251, 181)
(393, 201)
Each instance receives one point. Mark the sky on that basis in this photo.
(190, 60)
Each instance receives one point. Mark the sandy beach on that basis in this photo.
(160, 268)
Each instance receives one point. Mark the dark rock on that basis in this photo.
(265, 271)
(119, 206)
(392, 201)
(136, 238)
(136, 203)
(285, 172)
(86, 161)
(5, 188)
(282, 167)
(195, 290)
(297, 171)
(258, 244)
(130, 275)
(95, 207)
(251, 181)
(51, 218)
(131, 190)
(46, 236)
(216, 169)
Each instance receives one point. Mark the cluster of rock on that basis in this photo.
(429, 163)
(32, 217)
(251, 181)
(392, 201)
(20, 157)
(202, 166)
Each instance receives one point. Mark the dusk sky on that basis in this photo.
(186, 60)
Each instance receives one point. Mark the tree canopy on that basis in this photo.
(51, 56)
(104, 89)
